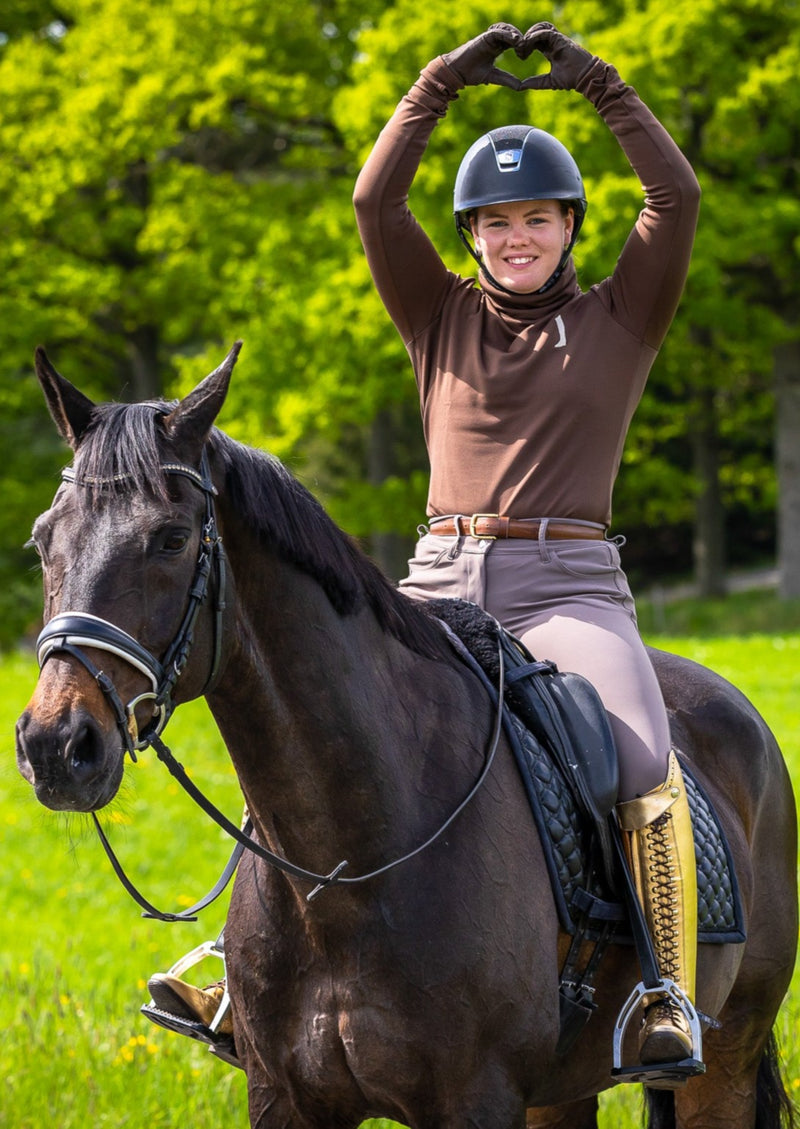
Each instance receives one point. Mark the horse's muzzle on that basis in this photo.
(70, 761)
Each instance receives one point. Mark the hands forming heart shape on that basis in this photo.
(474, 62)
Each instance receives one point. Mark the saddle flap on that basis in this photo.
(565, 714)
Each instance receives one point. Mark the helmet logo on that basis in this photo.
(508, 160)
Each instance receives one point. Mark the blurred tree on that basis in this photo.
(175, 176)
(719, 75)
(158, 167)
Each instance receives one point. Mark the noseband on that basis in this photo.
(69, 632)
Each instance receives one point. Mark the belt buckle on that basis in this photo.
(473, 531)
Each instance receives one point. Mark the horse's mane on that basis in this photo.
(124, 445)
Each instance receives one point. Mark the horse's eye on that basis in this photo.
(175, 541)
(37, 547)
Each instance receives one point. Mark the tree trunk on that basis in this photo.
(787, 445)
(709, 527)
(145, 379)
(390, 551)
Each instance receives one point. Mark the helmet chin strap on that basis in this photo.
(552, 280)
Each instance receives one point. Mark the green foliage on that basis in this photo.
(178, 176)
(156, 165)
(750, 612)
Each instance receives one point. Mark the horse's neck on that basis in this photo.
(315, 711)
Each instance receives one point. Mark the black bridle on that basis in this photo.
(69, 632)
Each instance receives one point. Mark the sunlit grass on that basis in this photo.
(76, 953)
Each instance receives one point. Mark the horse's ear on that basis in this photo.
(189, 423)
(70, 409)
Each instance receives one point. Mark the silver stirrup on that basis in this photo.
(659, 1075)
(222, 1046)
(207, 949)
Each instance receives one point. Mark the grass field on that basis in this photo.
(76, 954)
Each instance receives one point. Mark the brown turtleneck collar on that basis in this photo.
(532, 306)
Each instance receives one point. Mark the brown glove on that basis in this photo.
(473, 62)
(568, 61)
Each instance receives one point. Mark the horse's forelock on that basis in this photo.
(121, 448)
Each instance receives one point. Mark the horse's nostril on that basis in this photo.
(84, 753)
(72, 763)
(23, 762)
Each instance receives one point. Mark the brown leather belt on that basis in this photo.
(493, 527)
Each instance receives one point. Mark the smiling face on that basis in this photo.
(521, 243)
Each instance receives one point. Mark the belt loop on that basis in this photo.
(543, 524)
(455, 549)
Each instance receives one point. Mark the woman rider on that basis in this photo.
(527, 387)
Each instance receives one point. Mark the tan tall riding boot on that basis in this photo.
(660, 849)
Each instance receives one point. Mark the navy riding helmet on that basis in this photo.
(513, 163)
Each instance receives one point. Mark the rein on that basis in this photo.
(245, 841)
(69, 632)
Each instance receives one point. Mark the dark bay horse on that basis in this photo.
(427, 994)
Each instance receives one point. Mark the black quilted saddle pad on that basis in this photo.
(563, 835)
(579, 878)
